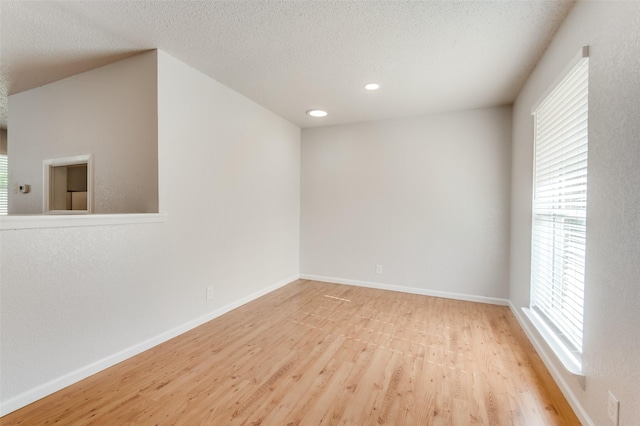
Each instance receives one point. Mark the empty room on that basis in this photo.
(320, 212)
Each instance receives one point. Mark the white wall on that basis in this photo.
(427, 198)
(109, 112)
(612, 290)
(75, 300)
(230, 177)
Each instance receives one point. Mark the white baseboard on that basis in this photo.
(562, 384)
(547, 358)
(412, 290)
(75, 376)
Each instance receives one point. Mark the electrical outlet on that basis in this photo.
(209, 293)
(378, 269)
(613, 408)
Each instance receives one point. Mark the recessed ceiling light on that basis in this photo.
(317, 113)
(372, 86)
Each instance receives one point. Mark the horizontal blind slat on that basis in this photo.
(559, 206)
(4, 190)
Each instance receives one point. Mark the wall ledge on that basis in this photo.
(546, 355)
(17, 222)
(570, 361)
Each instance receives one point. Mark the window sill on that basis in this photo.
(569, 360)
(10, 223)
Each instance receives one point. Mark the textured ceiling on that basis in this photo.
(291, 56)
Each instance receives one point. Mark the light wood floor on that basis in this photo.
(313, 353)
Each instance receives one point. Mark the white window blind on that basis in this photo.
(4, 174)
(559, 207)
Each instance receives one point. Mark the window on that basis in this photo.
(4, 184)
(559, 212)
(67, 185)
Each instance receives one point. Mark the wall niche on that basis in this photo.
(68, 185)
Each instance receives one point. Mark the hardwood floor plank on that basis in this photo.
(314, 353)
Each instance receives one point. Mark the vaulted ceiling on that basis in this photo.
(291, 56)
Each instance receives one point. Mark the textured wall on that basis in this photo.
(229, 183)
(110, 112)
(425, 197)
(612, 292)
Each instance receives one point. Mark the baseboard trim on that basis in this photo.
(547, 356)
(39, 392)
(411, 290)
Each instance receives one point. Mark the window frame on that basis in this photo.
(47, 181)
(567, 352)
